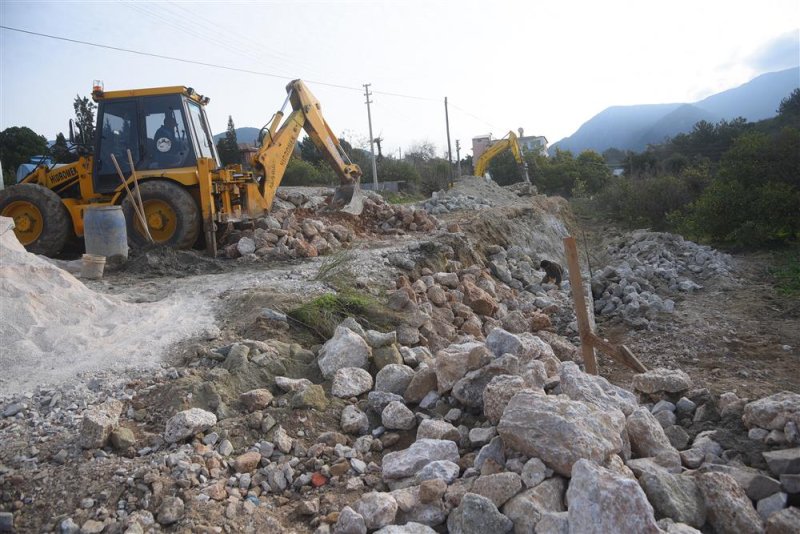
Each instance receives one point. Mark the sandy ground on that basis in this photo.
(56, 327)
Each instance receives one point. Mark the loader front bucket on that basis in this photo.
(350, 198)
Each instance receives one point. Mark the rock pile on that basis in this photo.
(442, 202)
(495, 430)
(300, 227)
(460, 303)
(647, 268)
(509, 436)
(283, 235)
(389, 219)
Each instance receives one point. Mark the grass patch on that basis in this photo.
(335, 269)
(323, 314)
(393, 197)
(787, 272)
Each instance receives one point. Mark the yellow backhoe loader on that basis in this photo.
(509, 141)
(184, 189)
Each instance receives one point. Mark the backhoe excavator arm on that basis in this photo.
(279, 141)
(509, 141)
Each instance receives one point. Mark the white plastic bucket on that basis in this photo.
(93, 266)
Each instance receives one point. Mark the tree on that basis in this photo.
(593, 171)
(790, 107)
(60, 151)
(309, 151)
(17, 145)
(504, 169)
(84, 120)
(421, 151)
(228, 146)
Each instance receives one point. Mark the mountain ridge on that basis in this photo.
(635, 127)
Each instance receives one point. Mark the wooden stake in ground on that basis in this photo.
(139, 214)
(139, 196)
(590, 340)
(576, 286)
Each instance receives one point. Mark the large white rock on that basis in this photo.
(350, 382)
(527, 347)
(188, 423)
(452, 363)
(560, 431)
(658, 380)
(601, 501)
(773, 412)
(648, 439)
(527, 508)
(437, 429)
(477, 515)
(378, 509)
(406, 463)
(596, 390)
(727, 507)
(98, 422)
(396, 416)
(354, 421)
(344, 349)
(675, 496)
(498, 393)
(394, 378)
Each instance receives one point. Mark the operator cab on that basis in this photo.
(164, 129)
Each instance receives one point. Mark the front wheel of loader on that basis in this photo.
(172, 215)
(41, 222)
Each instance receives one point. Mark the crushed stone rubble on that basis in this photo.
(472, 415)
(302, 226)
(441, 202)
(646, 273)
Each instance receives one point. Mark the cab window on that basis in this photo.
(118, 133)
(167, 140)
(202, 134)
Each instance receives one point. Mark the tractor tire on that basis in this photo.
(173, 216)
(41, 222)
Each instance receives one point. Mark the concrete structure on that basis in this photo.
(480, 144)
(534, 143)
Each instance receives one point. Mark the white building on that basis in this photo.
(536, 144)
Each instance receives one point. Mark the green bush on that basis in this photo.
(645, 201)
(299, 172)
(731, 212)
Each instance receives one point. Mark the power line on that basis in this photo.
(206, 64)
(172, 58)
(235, 69)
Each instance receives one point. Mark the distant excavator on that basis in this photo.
(185, 191)
(509, 141)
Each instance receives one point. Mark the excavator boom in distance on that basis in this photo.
(186, 192)
(509, 141)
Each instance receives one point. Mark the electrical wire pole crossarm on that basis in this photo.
(371, 146)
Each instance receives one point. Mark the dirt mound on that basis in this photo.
(163, 261)
(537, 225)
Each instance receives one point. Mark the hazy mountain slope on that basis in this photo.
(245, 134)
(634, 127)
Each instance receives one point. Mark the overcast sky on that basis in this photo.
(544, 66)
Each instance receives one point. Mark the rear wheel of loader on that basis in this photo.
(41, 222)
(171, 212)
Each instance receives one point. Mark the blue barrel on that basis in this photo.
(105, 232)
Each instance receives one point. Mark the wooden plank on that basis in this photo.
(622, 354)
(578, 297)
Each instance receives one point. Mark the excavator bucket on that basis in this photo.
(350, 197)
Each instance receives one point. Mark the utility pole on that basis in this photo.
(449, 151)
(458, 158)
(371, 147)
